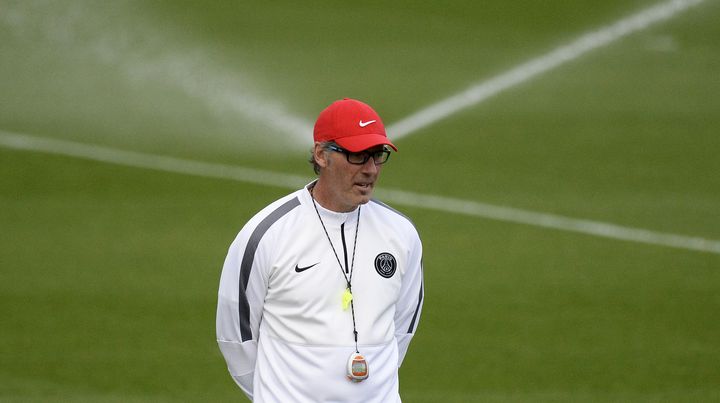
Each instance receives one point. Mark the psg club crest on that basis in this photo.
(385, 264)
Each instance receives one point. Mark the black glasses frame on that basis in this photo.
(379, 157)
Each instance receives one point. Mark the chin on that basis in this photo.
(361, 197)
(365, 197)
(357, 201)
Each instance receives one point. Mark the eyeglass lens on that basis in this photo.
(379, 157)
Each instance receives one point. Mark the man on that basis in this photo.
(322, 290)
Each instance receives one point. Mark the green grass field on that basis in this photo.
(109, 272)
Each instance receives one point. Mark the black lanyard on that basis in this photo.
(348, 280)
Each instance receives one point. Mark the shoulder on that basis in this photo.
(389, 211)
(279, 210)
(392, 216)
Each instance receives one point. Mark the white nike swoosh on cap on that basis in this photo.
(363, 124)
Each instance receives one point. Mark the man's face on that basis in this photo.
(344, 186)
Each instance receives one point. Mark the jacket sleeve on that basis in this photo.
(243, 285)
(409, 305)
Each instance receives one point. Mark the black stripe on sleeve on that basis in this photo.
(249, 258)
(417, 309)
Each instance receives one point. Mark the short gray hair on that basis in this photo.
(316, 167)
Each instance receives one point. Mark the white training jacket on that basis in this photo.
(281, 325)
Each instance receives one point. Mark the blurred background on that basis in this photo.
(109, 263)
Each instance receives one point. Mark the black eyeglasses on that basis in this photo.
(379, 157)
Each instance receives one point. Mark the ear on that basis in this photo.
(320, 154)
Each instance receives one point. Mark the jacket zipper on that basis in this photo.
(342, 236)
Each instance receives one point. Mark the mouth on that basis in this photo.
(365, 186)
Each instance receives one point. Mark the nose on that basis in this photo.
(370, 167)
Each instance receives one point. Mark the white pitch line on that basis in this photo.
(522, 73)
(149, 161)
(430, 202)
(558, 222)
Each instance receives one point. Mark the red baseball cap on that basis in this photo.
(352, 124)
